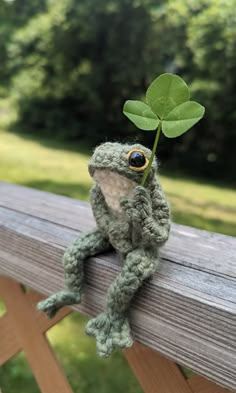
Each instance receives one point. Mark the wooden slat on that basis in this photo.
(155, 373)
(186, 312)
(9, 345)
(44, 365)
(202, 385)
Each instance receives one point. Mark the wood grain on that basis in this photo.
(45, 367)
(9, 345)
(155, 373)
(186, 312)
(202, 385)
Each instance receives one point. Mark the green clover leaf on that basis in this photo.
(141, 115)
(165, 93)
(182, 118)
(168, 110)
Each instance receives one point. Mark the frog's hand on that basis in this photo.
(158, 227)
(111, 331)
(87, 245)
(138, 206)
(127, 206)
(152, 221)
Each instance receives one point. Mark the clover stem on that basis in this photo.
(147, 170)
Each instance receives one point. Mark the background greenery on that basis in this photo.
(70, 65)
(66, 68)
(61, 168)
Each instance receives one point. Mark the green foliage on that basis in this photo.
(168, 109)
(72, 64)
(14, 14)
(141, 115)
(16, 376)
(168, 106)
(182, 118)
(165, 93)
(200, 40)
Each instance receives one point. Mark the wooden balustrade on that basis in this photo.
(186, 314)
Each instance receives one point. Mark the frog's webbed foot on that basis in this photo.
(52, 304)
(111, 331)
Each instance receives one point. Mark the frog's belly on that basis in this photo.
(114, 186)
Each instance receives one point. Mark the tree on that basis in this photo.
(14, 14)
(75, 65)
(204, 52)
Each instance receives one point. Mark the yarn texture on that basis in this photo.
(133, 220)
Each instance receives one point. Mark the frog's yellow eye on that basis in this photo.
(137, 160)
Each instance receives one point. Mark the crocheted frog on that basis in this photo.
(133, 220)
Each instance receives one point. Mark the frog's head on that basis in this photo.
(127, 160)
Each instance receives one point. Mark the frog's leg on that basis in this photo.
(88, 244)
(111, 328)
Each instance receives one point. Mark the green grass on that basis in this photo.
(62, 169)
(59, 168)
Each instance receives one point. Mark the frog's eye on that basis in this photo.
(137, 160)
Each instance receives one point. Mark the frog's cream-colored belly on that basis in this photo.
(113, 186)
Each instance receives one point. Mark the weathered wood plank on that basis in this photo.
(187, 246)
(187, 311)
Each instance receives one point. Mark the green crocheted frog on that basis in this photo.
(133, 220)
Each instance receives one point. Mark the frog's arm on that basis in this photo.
(100, 209)
(149, 212)
(157, 225)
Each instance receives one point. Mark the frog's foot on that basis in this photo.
(111, 331)
(52, 304)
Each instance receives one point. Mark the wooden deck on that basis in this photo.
(187, 312)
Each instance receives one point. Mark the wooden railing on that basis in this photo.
(186, 314)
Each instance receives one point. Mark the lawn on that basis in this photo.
(62, 169)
